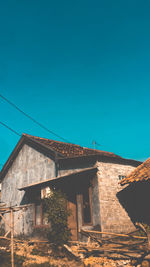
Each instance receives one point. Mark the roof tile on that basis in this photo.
(141, 173)
(70, 150)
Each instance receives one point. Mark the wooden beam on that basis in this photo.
(15, 208)
(11, 225)
(4, 220)
(12, 237)
(114, 234)
(3, 237)
(7, 233)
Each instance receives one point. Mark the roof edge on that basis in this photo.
(118, 160)
(58, 178)
(136, 172)
(18, 147)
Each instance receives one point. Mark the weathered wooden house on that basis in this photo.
(90, 178)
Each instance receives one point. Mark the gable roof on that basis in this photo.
(61, 151)
(68, 150)
(141, 173)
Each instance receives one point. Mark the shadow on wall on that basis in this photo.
(135, 199)
(29, 197)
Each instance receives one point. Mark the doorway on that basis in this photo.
(72, 219)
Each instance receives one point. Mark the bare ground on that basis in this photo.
(112, 253)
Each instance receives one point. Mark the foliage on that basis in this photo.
(57, 215)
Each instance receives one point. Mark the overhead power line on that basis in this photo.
(5, 125)
(31, 118)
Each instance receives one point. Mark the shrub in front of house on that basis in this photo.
(57, 214)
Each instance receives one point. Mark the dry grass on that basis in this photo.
(42, 255)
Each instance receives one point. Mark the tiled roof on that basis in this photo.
(70, 150)
(141, 173)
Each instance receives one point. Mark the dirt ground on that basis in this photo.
(41, 254)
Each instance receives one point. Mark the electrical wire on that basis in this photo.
(5, 125)
(31, 118)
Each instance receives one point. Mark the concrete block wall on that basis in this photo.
(113, 216)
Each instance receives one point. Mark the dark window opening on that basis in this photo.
(40, 218)
(37, 214)
(86, 206)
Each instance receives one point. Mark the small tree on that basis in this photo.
(57, 216)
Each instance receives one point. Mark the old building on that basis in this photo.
(135, 197)
(90, 178)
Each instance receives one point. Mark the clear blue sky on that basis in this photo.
(82, 68)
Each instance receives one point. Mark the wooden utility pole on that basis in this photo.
(12, 237)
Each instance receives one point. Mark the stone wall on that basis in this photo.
(114, 218)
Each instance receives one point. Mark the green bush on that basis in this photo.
(57, 215)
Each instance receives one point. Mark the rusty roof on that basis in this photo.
(70, 150)
(63, 152)
(141, 173)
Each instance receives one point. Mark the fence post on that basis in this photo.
(12, 237)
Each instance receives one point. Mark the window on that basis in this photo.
(40, 218)
(121, 177)
(86, 206)
(45, 192)
(38, 215)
